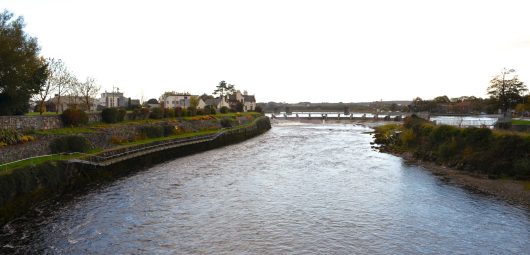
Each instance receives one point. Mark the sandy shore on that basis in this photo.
(512, 191)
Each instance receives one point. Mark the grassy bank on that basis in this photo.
(27, 183)
(520, 122)
(495, 153)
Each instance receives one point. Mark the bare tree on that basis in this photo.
(507, 92)
(88, 90)
(47, 87)
(61, 81)
(74, 91)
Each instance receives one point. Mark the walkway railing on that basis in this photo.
(32, 160)
(150, 147)
(109, 156)
(124, 153)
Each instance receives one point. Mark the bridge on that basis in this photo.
(338, 116)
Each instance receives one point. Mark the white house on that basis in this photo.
(179, 100)
(113, 99)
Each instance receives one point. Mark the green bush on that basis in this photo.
(477, 137)
(121, 114)
(223, 109)
(140, 113)
(226, 123)
(522, 168)
(169, 113)
(178, 112)
(200, 112)
(74, 117)
(209, 109)
(156, 113)
(10, 136)
(448, 149)
(442, 134)
(413, 121)
(192, 111)
(152, 131)
(477, 149)
(70, 144)
(258, 109)
(169, 130)
(109, 115)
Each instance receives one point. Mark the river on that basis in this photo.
(297, 189)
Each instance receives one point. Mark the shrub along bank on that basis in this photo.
(21, 188)
(496, 153)
(18, 144)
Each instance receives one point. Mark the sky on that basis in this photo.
(286, 50)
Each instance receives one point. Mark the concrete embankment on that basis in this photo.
(22, 188)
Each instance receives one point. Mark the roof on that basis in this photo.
(212, 101)
(70, 99)
(249, 98)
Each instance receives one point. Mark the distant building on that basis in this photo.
(181, 100)
(248, 101)
(113, 99)
(217, 103)
(70, 102)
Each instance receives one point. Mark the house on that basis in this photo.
(182, 100)
(217, 103)
(113, 99)
(248, 101)
(69, 102)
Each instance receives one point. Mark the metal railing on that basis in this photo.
(113, 154)
(32, 159)
(148, 147)
(109, 155)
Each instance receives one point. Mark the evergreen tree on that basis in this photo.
(22, 71)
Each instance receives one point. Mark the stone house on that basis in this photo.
(69, 102)
(217, 103)
(248, 101)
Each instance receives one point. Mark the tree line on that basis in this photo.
(25, 75)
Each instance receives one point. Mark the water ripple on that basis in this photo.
(307, 189)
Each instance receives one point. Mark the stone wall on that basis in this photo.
(39, 147)
(102, 138)
(30, 122)
(39, 122)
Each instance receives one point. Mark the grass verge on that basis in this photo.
(6, 168)
(520, 122)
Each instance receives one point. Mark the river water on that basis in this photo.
(297, 189)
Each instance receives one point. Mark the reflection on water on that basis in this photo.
(306, 189)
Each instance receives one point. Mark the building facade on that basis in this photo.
(113, 99)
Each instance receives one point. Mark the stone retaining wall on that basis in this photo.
(100, 138)
(30, 122)
(39, 122)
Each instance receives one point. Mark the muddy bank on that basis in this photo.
(513, 191)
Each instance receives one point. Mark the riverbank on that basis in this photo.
(512, 191)
(22, 188)
(492, 162)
